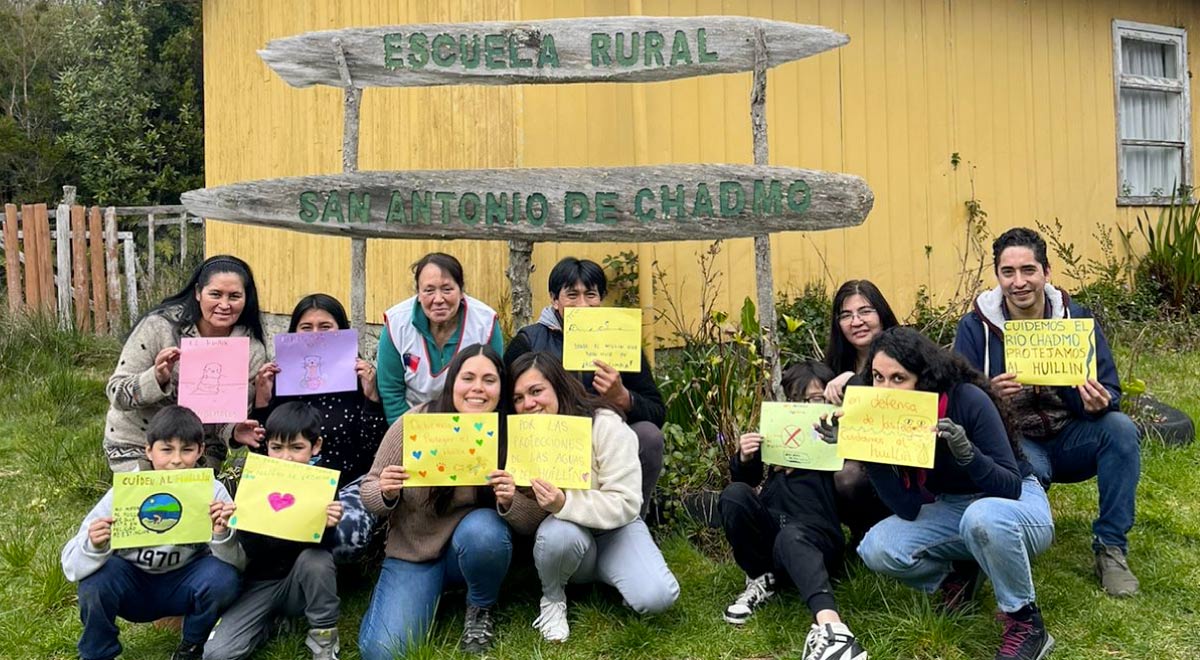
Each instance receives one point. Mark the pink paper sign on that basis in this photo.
(316, 362)
(214, 378)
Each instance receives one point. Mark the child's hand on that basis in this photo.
(504, 486)
(549, 496)
(163, 363)
(249, 433)
(221, 512)
(366, 376)
(333, 514)
(99, 532)
(391, 481)
(748, 445)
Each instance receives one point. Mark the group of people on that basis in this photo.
(980, 512)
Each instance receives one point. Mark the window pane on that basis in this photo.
(1151, 170)
(1150, 115)
(1148, 58)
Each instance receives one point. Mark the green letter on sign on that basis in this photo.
(576, 208)
(641, 213)
(360, 207)
(600, 45)
(606, 210)
(731, 208)
(768, 200)
(333, 208)
(393, 57)
(702, 46)
(680, 52)
(308, 205)
(799, 188)
(547, 53)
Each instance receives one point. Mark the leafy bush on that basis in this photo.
(1172, 258)
(802, 323)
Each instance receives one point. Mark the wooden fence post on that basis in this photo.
(33, 288)
(351, 104)
(762, 244)
(12, 258)
(99, 292)
(183, 228)
(41, 218)
(150, 250)
(111, 264)
(520, 264)
(62, 274)
(131, 294)
(79, 267)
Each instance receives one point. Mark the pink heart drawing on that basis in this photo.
(279, 501)
(585, 477)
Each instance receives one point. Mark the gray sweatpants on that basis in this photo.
(625, 558)
(309, 589)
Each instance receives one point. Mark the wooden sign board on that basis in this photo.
(627, 204)
(597, 49)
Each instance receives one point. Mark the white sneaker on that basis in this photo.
(758, 590)
(832, 641)
(552, 622)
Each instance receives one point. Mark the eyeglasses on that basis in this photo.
(861, 314)
(816, 398)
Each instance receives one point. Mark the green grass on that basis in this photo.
(51, 391)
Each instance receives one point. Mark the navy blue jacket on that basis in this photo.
(980, 339)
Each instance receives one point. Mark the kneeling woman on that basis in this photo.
(586, 535)
(988, 511)
(442, 536)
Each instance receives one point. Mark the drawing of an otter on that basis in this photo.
(210, 380)
(312, 373)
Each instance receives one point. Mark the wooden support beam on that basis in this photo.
(762, 243)
(112, 277)
(79, 267)
(12, 258)
(99, 290)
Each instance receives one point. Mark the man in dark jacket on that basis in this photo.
(582, 283)
(1070, 434)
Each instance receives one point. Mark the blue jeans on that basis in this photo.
(1000, 534)
(199, 591)
(401, 611)
(1106, 448)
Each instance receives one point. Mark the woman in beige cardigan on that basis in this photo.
(586, 535)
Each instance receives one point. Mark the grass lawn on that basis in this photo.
(51, 392)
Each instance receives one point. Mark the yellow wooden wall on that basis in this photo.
(1023, 91)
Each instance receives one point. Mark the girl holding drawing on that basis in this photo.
(860, 313)
(987, 510)
(584, 535)
(788, 530)
(439, 536)
(218, 300)
(352, 428)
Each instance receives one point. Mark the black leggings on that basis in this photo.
(802, 551)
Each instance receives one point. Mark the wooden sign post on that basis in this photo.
(523, 206)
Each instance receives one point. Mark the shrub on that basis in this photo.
(801, 323)
(1172, 258)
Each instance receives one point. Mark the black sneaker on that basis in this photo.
(188, 651)
(758, 591)
(961, 586)
(1024, 640)
(478, 630)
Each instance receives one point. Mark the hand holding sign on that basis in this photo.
(450, 449)
(556, 449)
(789, 438)
(316, 362)
(213, 377)
(160, 507)
(612, 335)
(1051, 351)
(283, 499)
(888, 426)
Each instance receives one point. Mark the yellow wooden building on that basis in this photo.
(1028, 94)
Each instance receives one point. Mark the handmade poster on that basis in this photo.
(790, 440)
(555, 448)
(214, 380)
(161, 507)
(610, 334)
(450, 449)
(884, 425)
(1051, 351)
(283, 499)
(316, 362)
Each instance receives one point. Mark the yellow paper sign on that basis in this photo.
(450, 449)
(283, 499)
(1051, 351)
(789, 438)
(556, 448)
(888, 426)
(610, 334)
(161, 507)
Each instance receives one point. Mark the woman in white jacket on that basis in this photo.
(584, 535)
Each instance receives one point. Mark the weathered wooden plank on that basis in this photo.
(630, 204)
(150, 250)
(62, 271)
(12, 262)
(46, 262)
(131, 294)
(79, 267)
(112, 276)
(596, 49)
(520, 265)
(764, 275)
(29, 245)
(99, 291)
(170, 209)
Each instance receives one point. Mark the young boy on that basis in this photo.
(145, 584)
(787, 531)
(285, 578)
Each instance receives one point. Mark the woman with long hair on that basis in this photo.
(988, 516)
(422, 334)
(220, 299)
(351, 430)
(584, 535)
(438, 536)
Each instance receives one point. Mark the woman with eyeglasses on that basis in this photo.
(860, 314)
(423, 333)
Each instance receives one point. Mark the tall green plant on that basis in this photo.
(1172, 257)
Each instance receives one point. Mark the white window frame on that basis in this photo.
(1162, 34)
